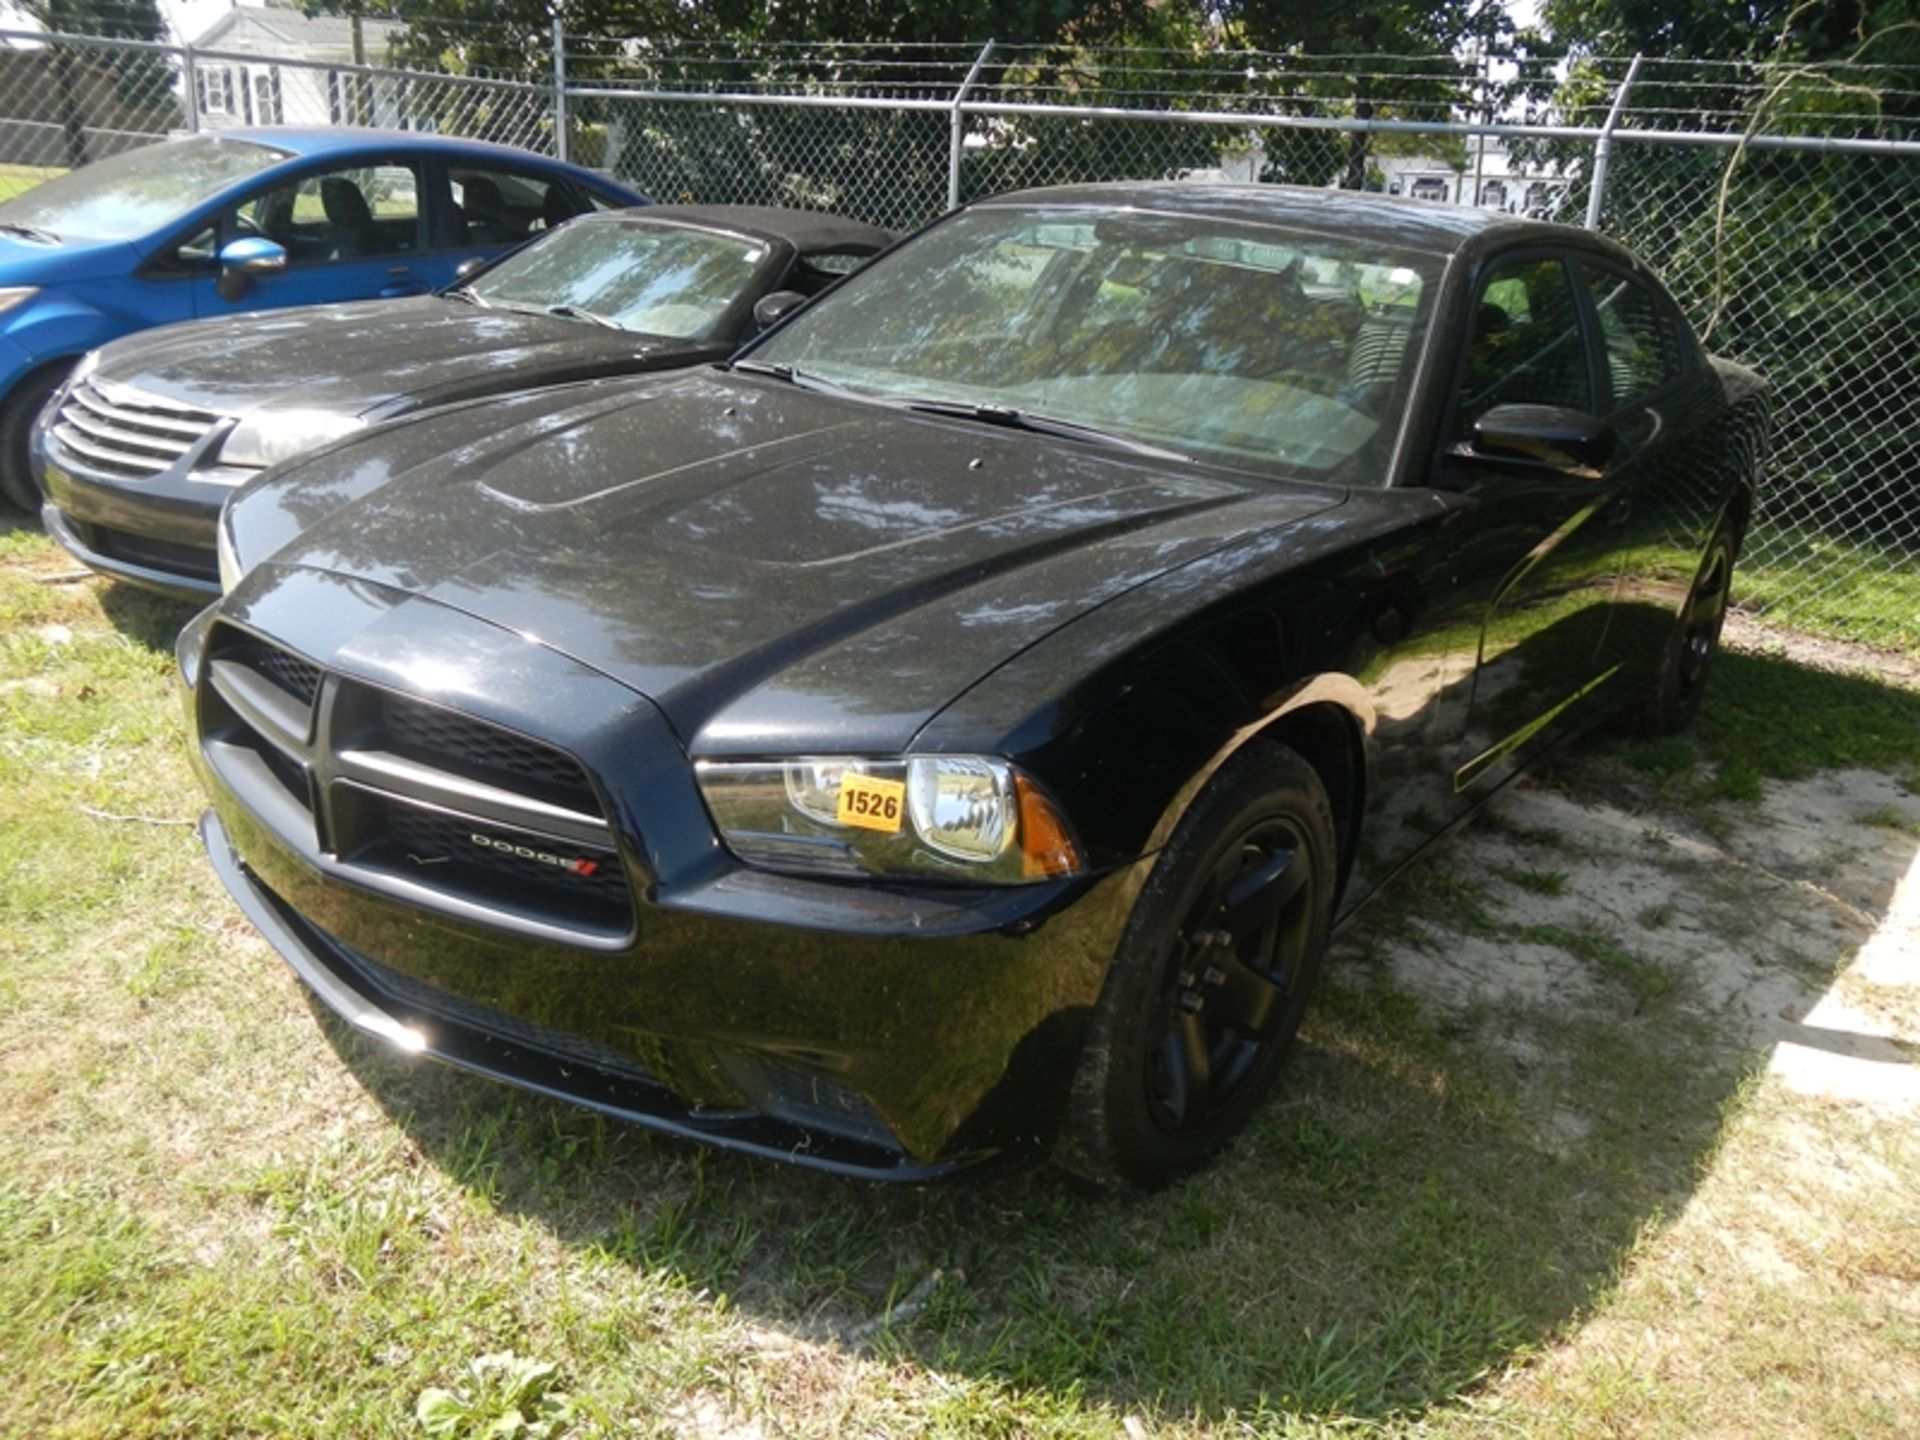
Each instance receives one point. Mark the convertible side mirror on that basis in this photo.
(1551, 437)
(242, 259)
(770, 310)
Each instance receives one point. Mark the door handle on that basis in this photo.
(400, 281)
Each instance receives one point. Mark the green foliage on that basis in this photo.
(506, 1395)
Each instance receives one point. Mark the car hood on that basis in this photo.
(28, 262)
(374, 356)
(770, 566)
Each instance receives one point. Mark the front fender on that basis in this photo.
(55, 325)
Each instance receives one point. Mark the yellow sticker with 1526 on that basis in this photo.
(871, 803)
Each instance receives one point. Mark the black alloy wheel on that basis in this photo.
(1230, 977)
(1211, 977)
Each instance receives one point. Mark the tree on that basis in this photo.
(86, 76)
(1383, 58)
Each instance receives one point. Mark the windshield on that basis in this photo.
(137, 191)
(1246, 345)
(657, 279)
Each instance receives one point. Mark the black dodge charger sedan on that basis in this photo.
(956, 724)
(139, 449)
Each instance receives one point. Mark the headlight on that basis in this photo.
(957, 817)
(271, 436)
(11, 296)
(228, 555)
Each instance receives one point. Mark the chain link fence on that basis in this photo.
(1781, 204)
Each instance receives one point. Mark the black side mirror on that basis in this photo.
(468, 268)
(1550, 437)
(770, 310)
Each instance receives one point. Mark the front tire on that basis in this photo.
(1211, 977)
(17, 414)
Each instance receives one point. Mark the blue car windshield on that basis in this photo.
(137, 191)
(1252, 346)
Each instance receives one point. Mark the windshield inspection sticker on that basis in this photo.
(872, 804)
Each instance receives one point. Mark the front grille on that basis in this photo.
(128, 432)
(434, 807)
(299, 678)
(196, 562)
(484, 752)
(446, 845)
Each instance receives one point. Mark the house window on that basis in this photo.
(213, 88)
(266, 97)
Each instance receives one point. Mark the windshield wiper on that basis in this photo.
(575, 312)
(795, 377)
(1009, 418)
(465, 297)
(31, 232)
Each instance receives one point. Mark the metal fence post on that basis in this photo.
(957, 121)
(1603, 147)
(562, 141)
(190, 88)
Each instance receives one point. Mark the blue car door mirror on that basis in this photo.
(244, 258)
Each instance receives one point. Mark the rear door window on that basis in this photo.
(1644, 350)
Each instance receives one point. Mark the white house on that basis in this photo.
(270, 66)
(1491, 179)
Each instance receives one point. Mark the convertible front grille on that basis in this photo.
(435, 808)
(128, 432)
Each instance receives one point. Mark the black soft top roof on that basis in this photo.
(811, 232)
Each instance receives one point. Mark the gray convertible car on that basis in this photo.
(137, 451)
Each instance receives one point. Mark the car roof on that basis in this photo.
(321, 141)
(811, 232)
(1386, 219)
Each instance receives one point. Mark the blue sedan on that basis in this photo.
(249, 220)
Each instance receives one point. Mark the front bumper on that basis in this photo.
(351, 985)
(155, 531)
(880, 1031)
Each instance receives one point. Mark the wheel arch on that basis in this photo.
(1328, 720)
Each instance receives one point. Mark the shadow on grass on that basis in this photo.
(145, 616)
(1405, 1220)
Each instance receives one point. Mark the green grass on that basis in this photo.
(1830, 586)
(221, 1213)
(18, 179)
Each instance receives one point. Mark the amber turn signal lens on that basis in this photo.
(1045, 847)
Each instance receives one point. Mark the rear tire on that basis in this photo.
(1211, 977)
(17, 414)
(1692, 647)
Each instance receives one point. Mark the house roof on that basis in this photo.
(283, 31)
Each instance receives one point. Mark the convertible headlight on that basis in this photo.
(271, 436)
(13, 295)
(958, 817)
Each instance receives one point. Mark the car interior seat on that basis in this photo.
(556, 208)
(485, 209)
(349, 218)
